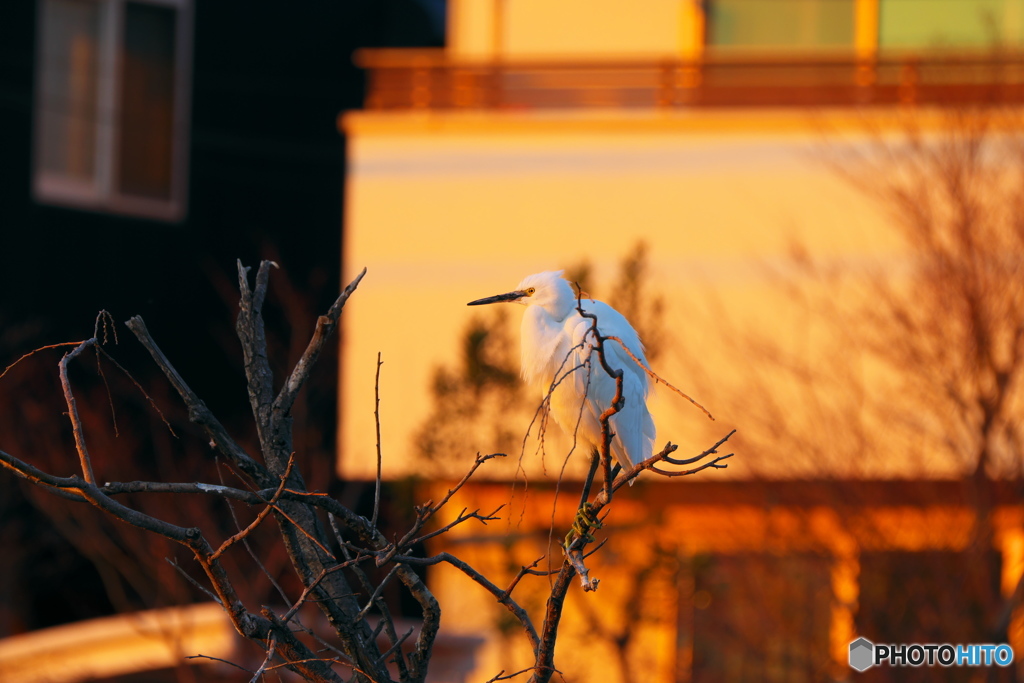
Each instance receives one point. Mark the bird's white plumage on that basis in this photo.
(558, 356)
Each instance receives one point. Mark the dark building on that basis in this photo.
(145, 147)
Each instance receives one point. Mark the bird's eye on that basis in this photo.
(530, 291)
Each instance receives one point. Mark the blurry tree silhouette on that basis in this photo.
(643, 307)
(652, 575)
(486, 383)
(950, 330)
(913, 361)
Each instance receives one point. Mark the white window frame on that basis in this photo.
(101, 194)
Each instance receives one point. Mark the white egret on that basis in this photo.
(559, 356)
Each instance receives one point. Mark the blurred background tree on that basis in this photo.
(909, 370)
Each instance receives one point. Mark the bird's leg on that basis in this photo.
(616, 470)
(584, 520)
(595, 459)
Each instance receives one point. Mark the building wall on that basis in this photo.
(445, 208)
(529, 29)
(715, 581)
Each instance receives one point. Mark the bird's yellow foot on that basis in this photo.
(582, 524)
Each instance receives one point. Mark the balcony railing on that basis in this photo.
(427, 79)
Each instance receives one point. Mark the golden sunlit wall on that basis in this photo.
(449, 208)
(532, 28)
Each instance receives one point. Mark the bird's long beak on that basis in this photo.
(498, 298)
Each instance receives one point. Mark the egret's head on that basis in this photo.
(547, 289)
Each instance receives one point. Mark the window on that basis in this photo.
(775, 25)
(936, 24)
(935, 596)
(757, 616)
(111, 129)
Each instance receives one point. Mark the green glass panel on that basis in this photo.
(781, 24)
(951, 24)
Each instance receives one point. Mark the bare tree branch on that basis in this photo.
(272, 482)
(325, 324)
(197, 410)
(76, 421)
